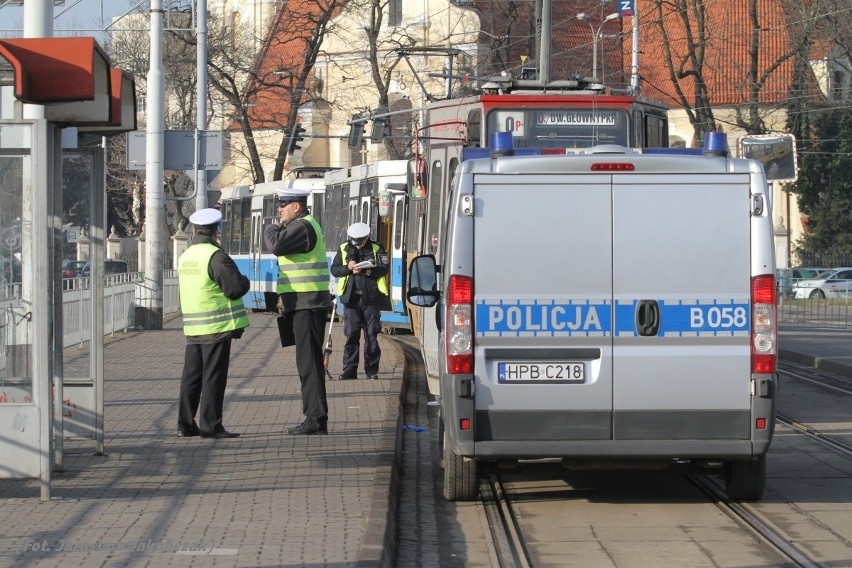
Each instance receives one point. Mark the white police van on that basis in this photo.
(604, 307)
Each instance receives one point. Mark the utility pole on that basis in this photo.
(152, 301)
(201, 104)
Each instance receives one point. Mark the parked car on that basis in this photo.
(72, 268)
(834, 284)
(787, 277)
(111, 266)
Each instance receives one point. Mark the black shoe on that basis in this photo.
(348, 375)
(191, 433)
(373, 377)
(221, 434)
(310, 426)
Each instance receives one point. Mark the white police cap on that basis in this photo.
(358, 230)
(289, 194)
(205, 217)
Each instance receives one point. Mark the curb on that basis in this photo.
(828, 364)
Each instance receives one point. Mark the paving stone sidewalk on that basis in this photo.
(263, 499)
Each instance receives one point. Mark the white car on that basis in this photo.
(835, 284)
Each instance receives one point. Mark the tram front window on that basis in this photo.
(562, 127)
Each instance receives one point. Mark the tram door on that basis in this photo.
(397, 250)
(257, 299)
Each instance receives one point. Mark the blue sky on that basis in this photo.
(81, 16)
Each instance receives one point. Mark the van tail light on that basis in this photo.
(459, 326)
(764, 325)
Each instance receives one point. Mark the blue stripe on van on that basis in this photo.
(545, 317)
(690, 317)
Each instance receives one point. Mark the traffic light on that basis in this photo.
(356, 131)
(380, 125)
(298, 136)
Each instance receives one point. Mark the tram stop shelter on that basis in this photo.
(76, 91)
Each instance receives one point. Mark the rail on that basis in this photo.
(814, 313)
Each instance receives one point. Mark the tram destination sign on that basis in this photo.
(577, 118)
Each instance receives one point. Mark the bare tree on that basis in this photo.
(384, 56)
(682, 25)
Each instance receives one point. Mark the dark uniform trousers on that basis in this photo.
(205, 370)
(308, 329)
(367, 317)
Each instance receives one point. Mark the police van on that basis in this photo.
(610, 306)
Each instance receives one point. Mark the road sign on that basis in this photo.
(178, 150)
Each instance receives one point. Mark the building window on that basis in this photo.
(394, 12)
(837, 86)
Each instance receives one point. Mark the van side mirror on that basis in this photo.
(422, 288)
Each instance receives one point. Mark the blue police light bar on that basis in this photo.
(501, 145)
(715, 144)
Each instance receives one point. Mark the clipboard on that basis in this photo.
(285, 330)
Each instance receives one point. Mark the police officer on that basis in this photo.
(361, 264)
(303, 279)
(211, 286)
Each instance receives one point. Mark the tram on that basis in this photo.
(375, 194)
(562, 117)
(403, 200)
(246, 209)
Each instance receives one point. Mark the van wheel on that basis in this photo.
(461, 478)
(745, 480)
(818, 294)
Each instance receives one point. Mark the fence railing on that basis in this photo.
(814, 313)
(121, 297)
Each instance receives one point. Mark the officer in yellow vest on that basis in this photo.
(303, 280)
(211, 286)
(361, 264)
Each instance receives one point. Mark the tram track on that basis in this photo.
(507, 538)
(755, 522)
(512, 534)
(749, 515)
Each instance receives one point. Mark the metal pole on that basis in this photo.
(545, 38)
(97, 242)
(634, 59)
(201, 95)
(154, 199)
(38, 22)
(595, 53)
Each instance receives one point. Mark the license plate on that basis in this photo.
(571, 371)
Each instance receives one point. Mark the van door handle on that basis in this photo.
(647, 318)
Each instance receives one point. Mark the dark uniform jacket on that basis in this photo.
(364, 284)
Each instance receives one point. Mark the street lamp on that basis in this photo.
(582, 16)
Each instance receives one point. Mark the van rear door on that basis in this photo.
(681, 255)
(543, 307)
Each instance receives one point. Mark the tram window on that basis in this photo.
(236, 226)
(435, 177)
(474, 129)
(563, 127)
(397, 223)
(317, 209)
(365, 212)
(245, 235)
(226, 226)
(656, 128)
(451, 172)
(270, 209)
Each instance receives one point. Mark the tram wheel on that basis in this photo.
(745, 480)
(461, 476)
